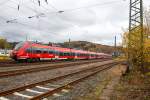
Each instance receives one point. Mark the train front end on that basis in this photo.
(18, 52)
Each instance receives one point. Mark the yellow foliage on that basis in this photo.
(147, 50)
(136, 49)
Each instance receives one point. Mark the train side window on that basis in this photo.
(75, 54)
(57, 53)
(38, 51)
(28, 50)
(68, 54)
(78, 54)
(61, 54)
(51, 51)
(45, 51)
(33, 50)
(65, 54)
(72, 54)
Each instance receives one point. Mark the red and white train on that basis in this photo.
(33, 51)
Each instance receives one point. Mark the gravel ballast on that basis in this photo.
(86, 87)
(21, 80)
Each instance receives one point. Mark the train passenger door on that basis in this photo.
(45, 53)
(51, 53)
(38, 53)
(56, 54)
(76, 55)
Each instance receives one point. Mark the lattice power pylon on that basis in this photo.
(135, 31)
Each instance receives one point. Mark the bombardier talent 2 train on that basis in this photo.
(31, 51)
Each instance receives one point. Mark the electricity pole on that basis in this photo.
(69, 40)
(70, 45)
(26, 37)
(135, 27)
(115, 47)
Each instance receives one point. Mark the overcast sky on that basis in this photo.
(87, 20)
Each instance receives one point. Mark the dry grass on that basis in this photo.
(134, 86)
(4, 58)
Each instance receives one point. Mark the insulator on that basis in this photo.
(46, 1)
(18, 7)
(39, 2)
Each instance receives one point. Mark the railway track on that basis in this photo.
(4, 74)
(12, 63)
(52, 86)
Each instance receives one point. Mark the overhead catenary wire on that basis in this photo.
(89, 6)
(99, 4)
(37, 15)
(65, 10)
(62, 11)
(24, 5)
(94, 5)
(37, 12)
(42, 5)
(12, 21)
(31, 27)
(72, 9)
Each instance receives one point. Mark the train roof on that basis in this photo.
(61, 49)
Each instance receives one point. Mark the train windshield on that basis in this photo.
(18, 46)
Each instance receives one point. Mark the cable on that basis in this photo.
(14, 20)
(89, 6)
(42, 6)
(37, 15)
(31, 27)
(28, 8)
(95, 5)
(24, 5)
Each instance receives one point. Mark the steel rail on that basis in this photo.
(14, 64)
(51, 92)
(7, 92)
(38, 69)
